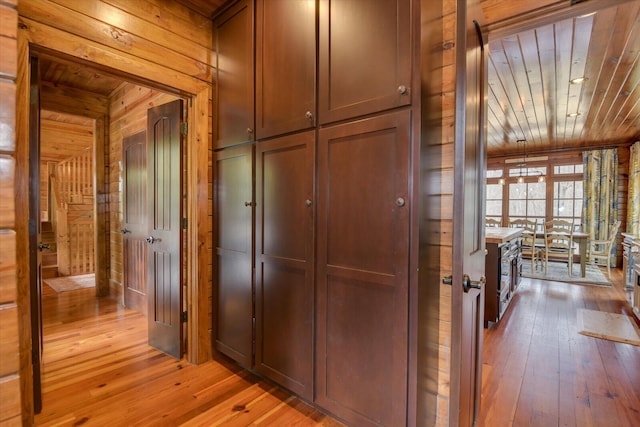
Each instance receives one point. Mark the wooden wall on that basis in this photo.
(11, 365)
(128, 115)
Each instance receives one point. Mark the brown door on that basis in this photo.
(164, 190)
(285, 66)
(35, 238)
(362, 263)
(233, 43)
(360, 75)
(233, 221)
(135, 228)
(468, 218)
(284, 261)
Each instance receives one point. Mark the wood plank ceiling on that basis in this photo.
(530, 95)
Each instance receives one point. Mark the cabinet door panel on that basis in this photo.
(362, 281)
(233, 219)
(233, 44)
(284, 261)
(285, 66)
(361, 75)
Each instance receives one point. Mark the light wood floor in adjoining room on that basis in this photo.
(537, 370)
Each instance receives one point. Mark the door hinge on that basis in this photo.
(184, 223)
(185, 316)
(184, 127)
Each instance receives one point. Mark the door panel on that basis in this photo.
(233, 39)
(233, 221)
(284, 261)
(285, 66)
(362, 281)
(468, 218)
(360, 75)
(164, 280)
(135, 227)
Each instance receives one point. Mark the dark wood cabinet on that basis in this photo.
(503, 265)
(360, 75)
(284, 261)
(233, 43)
(233, 230)
(362, 279)
(285, 66)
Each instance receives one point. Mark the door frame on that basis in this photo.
(197, 95)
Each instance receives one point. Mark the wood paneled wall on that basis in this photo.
(128, 115)
(11, 365)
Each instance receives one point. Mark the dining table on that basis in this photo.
(582, 239)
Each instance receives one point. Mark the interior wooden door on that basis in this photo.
(362, 270)
(284, 261)
(164, 190)
(35, 236)
(361, 75)
(233, 231)
(468, 219)
(135, 228)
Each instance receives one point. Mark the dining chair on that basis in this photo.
(529, 247)
(492, 222)
(558, 242)
(600, 250)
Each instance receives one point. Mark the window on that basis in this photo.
(528, 200)
(494, 201)
(567, 201)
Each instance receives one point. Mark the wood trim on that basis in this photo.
(101, 206)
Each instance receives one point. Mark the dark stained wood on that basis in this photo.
(164, 221)
(234, 45)
(233, 234)
(285, 66)
(538, 370)
(360, 75)
(285, 170)
(362, 271)
(468, 208)
(99, 370)
(134, 218)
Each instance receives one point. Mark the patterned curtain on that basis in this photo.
(600, 206)
(633, 203)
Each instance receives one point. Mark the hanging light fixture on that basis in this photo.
(524, 170)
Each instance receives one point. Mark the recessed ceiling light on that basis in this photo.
(577, 80)
(573, 114)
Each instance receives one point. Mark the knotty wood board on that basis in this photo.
(609, 326)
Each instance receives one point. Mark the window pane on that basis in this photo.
(494, 173)
(494, 208)
(494, 191)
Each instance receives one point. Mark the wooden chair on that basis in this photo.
(601, 249)
(491, 222)
(529, 247)
(558, 242)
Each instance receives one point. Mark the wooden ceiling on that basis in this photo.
(532, 58)
(531, 96)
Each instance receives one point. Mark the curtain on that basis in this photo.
(600, 205)
(633, 203)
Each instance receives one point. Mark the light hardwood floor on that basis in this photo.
(537, 370)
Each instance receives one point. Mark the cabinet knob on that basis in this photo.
(402, 90)
(248, 203)
(249, 131)
(400, 202)
(309, 115)
(308, 203)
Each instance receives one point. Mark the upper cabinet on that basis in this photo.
(365, 57)
(285, 66)
(233, 43)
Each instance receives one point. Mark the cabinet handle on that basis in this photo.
(402, 90)
(249, 203)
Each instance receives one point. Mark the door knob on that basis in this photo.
(152, 240)
(468, 284)
(43, 246)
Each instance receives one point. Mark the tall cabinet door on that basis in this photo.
(233, 219)
(361, 75)
(285, 66)
(233, 43)
(284, 261)
(362, 270)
